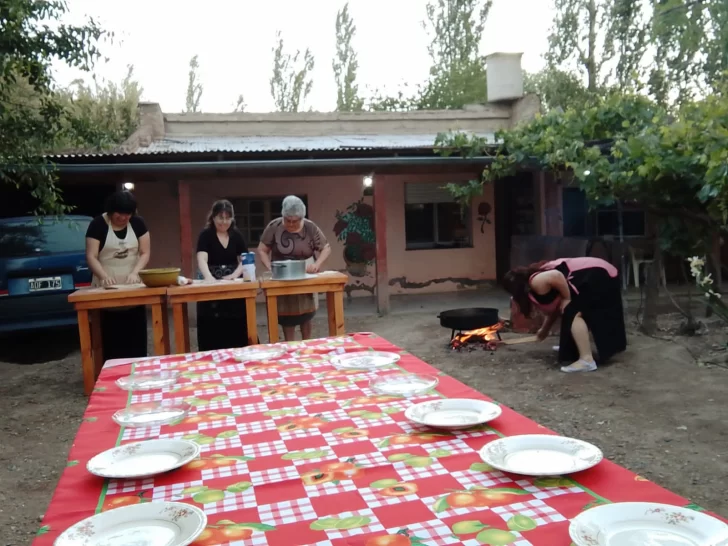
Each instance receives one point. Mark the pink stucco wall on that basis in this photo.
(429, 270)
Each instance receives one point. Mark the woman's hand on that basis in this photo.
(542, 334)
(133, 278)
(312, 268)
(230, 277)
(108, 280)
(564, 304)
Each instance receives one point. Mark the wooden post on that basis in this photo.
(539, 199)
(185, 228)
(380, 230)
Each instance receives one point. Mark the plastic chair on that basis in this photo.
(637, 257)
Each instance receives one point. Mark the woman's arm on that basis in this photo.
(545, 329)
(238, 271)
(92, 259)
(145, 246)
(264, 252)
(203, 267)
(323, 256)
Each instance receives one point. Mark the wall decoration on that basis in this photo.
(355, 228)
(484, 209)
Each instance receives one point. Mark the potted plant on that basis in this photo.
(355, 228)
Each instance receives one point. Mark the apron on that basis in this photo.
(119, 256)
(298, 304)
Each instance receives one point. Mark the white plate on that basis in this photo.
(145, 524)
(403, 384)
(145, 381)
(259, 352)
(151, 414)
(364, 360)
(142, 459)
(646, 524)
(541, 455)
(453, 413)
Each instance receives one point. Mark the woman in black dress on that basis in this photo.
(221, 324)
(586, 294)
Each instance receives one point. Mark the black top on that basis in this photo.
(221, 261)
(98, 229)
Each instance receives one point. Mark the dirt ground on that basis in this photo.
(658, 409)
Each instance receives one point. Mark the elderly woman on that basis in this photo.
(117, 249)
(294, 237)
(586, 294)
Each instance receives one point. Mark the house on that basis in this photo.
(360, 174)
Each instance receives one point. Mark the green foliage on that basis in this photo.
(32, 116)
(625, 147)
(194, 87)
(457, 75)
(556, 88)
(345, 64)
(290, 83)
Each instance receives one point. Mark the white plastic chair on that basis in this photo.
(637, 257)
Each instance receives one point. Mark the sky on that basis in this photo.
(234, 39)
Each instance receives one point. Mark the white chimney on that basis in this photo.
(504, 76)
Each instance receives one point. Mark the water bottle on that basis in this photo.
(248, 260)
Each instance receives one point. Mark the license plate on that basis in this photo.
(45, 283)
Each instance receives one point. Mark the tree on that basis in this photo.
(290, 83)
(240, 104)
(604, 40)
(556, 88)
(99, 116)
(32, 123)
(345, 64)
(627, 148)
(194, 87)
(457, 75)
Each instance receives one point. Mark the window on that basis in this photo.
(579, 221)
(433, 220)
(253, 215)
(30, 237)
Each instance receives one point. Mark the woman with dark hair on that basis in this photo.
(117, 249)
(221, 324)
(586, 293)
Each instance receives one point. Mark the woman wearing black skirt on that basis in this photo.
(221, 324)
(586, 293)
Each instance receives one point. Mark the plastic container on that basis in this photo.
(248, 260)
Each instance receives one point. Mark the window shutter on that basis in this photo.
(423, 193)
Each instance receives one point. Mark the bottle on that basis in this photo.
(248, 260)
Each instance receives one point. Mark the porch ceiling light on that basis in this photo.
(368, 181)
(129, 186)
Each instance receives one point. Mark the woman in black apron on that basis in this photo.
(221, 324)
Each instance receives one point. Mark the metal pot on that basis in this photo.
(469, 319)
(288, 270)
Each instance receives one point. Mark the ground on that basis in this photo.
(658, 409)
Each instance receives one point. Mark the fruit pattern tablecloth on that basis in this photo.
(297, 452)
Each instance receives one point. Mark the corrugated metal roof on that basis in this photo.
(244, 144)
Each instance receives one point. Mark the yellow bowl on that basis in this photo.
(154, 278)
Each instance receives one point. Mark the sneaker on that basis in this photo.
(580, 366)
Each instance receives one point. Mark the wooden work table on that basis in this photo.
(180, 296)
(88, 303)
(330, 282)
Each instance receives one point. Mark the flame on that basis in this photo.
(489, 333)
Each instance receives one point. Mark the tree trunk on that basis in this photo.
(652, 292)
(713, 266)
(591, 64)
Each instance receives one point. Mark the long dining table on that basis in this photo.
(295, 452)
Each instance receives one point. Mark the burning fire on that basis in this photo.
(486, 336)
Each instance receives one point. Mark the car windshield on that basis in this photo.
(33, 236)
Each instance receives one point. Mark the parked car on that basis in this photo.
(42, 260)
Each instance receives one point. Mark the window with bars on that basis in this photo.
(252, 215)
(432, 219)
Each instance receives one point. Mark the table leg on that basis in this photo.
(160, 330)
(87, 360)
(181, 328)
(251, 321)
(97, 345)
(272, 307)
(335, 309)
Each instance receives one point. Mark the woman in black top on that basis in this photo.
(117, 248)
(221, 324)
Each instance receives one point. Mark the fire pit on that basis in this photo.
(477, 326)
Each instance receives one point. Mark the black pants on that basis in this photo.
(221, 325)
(124, 333)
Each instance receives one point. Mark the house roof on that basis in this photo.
(186, 144)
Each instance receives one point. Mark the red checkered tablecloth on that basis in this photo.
(297, 452)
